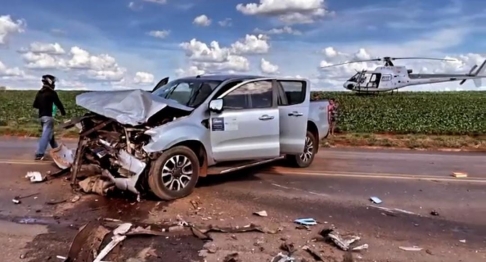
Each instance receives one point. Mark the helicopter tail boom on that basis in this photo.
(480, 71)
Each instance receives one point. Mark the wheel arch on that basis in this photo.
(198, 148)
(311, 126)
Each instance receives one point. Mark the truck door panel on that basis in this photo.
(248, 126)
(294, 113)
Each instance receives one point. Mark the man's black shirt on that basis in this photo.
(44, 100)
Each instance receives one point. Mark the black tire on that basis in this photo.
(156, 180)
(298, 160)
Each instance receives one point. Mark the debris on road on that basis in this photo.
(459, 174)
(233, 257)
(280, 257)
(413, 248)
(203, 233)
(35, 177)
(342, 243)
(306, 221)
(316, 255)
(462, 241)
(376, 200)
(16, 200)
(434, 213)
(75, 199)
(86, 242)
(62, 156)
(96, 184)
(55, 202)
(118, 236)
(289, 248)
(262, 213)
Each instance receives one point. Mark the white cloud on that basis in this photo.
(227, 22)
(288, 11)
(252, 44)
(159, 33)
(217, 59)
(102, 67)
(6, 72)
(190, 71)
(160, 2)
(8, 27)
(199, 51)
(278, 31)
(202, 20)
(135, 6)
(143, 78)
(45, 48)
(268, 68)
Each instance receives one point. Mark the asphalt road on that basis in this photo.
(335, 191)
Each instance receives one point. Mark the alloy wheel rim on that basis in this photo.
(308, 150)
(177, 172)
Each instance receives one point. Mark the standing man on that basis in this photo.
(44, 101)
(332, 115)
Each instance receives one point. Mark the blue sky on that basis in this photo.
(120, 29)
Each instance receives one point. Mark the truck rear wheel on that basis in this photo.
(305, 159)
(174, 174)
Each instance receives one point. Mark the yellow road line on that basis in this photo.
(24, 162)
(378, 175)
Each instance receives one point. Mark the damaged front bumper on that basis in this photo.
(114, 148)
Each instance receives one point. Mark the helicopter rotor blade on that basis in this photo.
(355, 61)
(425, 58)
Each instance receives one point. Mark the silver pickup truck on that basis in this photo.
(193, 127)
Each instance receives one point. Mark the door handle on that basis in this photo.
(295, 113)
(266, 117)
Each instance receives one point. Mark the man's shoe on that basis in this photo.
(39, 157)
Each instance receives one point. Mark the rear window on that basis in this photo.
(294, 91)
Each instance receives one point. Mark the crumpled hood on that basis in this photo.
(129, 107)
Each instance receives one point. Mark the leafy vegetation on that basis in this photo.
(445, 113)
(440, 113)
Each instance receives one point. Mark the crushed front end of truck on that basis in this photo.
(110, 153)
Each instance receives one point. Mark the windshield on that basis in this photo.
(188, 92)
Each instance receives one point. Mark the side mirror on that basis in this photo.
(216, 105)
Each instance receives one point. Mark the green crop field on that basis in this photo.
(444, 113)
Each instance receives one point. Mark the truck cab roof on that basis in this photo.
(222, 77)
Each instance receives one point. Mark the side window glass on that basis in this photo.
(249, 96)
(294, 91)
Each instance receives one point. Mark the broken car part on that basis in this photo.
(341, 242)
(306, 221)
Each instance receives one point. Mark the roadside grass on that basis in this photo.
(411, 141)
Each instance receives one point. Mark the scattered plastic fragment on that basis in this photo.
(414, 248)
(262, 213)
(16, 200)
(459, 174)
(376, 200)
(306, 221)
(118, 236)
(342, 243)
(462, 241)
(280, 257)
(35, 177)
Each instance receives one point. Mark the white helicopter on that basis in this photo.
(390, 77)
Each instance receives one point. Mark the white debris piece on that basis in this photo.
(414, 248)
(262, 213)
(35, 177)
(118, 236)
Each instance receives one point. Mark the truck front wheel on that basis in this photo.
(305, 159)
(174, 174)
